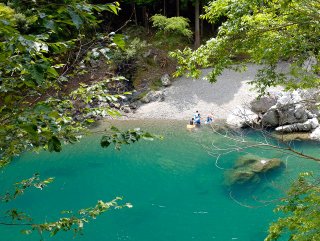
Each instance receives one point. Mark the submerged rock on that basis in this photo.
(292, 136)
(248, 167)
(240, 176)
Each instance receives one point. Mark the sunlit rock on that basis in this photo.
(165, 80)
(153, 96)
(242, 117)
(263, 104)
(307, 126)
(315, 135)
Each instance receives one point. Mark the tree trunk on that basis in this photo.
(197, 25)
(135, 14)
(201, 22)
(164, 8)
(178, 8)
(145, 18)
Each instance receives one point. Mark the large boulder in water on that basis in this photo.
(248, 167)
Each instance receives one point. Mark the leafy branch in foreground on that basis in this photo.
(302, 211)
(74, 221)
(47, 43)
(127, 137)
(21, 186)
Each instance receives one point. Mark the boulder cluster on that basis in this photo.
(286, 112)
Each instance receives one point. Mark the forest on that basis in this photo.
(66, 65)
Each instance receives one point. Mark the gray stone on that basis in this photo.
(270, 118)
(288, 100)
(165, 80)
(307, 126)
(133, 105)
(265, 165)
(263, 104)
(126, 109)
(294, 114)
(153, 96)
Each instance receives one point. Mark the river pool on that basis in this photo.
(176, 188)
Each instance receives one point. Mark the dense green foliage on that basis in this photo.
(46, 45)
(172, 32)
(302, 204)
(43, 46)
(174, 25)
(262, 32)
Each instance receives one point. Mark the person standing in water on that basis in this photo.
(197, 118)
(209, 119)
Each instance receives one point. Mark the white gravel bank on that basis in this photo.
(187, 95)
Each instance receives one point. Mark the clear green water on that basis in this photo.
(176, 189)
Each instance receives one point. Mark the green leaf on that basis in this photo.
(115, 129)
(105, 141)
(26, 232)
(118, 39)
(30, 128)
(76, 19)
(53, 72)
(54, 144)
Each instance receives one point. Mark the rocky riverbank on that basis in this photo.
(231, 98)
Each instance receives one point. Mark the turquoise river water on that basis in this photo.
(176, 188)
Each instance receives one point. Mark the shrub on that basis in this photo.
(175, 25)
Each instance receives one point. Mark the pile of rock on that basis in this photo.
(286, 112)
